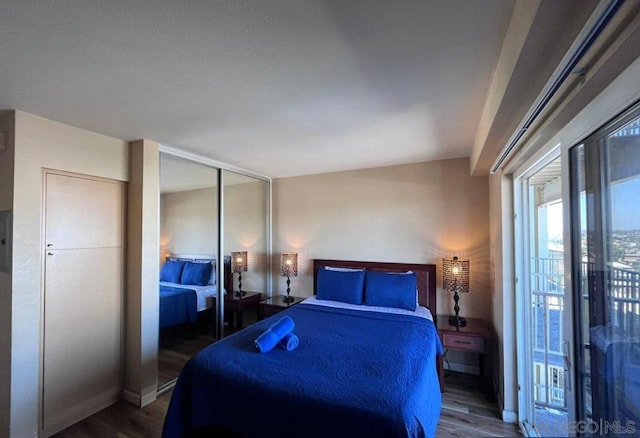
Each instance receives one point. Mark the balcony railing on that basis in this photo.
(547, 306)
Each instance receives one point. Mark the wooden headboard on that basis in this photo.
(228, 276)
(425, 276)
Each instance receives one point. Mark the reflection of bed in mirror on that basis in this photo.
(188, 287)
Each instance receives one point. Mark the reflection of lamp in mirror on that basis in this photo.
(455, 279)
(289, 268)
(239, 265)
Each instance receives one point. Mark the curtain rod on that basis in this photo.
(567, 70)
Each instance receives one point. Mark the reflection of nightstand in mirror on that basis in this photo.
(276, 304)
(473, 338)
(233, 303)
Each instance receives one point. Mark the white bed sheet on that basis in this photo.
(204, 294)
(420, 311)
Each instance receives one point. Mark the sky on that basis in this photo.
(625, 210)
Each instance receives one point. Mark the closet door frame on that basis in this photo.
(41, 348)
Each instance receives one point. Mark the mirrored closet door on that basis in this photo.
(188, 286)
(246, 242)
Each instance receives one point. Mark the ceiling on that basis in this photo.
(282, 88)
(177, 175)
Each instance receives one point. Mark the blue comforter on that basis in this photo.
(177, 306)
(354, 373)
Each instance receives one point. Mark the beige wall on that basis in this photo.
(409, 213)
(6, 203)
(245, 229)
(142, 300)
(189, 225)
(503, 294)
(42, 143)
(189, 222)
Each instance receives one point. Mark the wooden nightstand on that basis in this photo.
(473, 338)
(233, 303)
(275, 304)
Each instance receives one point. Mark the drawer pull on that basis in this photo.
(462, 342)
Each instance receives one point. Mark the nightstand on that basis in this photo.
(233, 303)
(473, 338)
(275, 304)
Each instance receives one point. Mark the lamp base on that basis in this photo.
(239, 293)
(288, 299)
(457, 321)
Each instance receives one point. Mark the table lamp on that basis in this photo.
(239, 265)
(289, 268)
(456, 279)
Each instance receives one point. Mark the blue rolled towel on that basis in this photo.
(270, 338)
(289, 342)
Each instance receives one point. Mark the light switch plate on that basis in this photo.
(5, 240)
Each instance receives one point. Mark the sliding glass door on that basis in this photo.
(605, 191)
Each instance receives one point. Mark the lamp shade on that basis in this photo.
(289, 264)
(455, 275)
(239, 261)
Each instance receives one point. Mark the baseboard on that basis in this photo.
(509, 416)
(131, 397)
(80, 412)
(138, 400)
(148, 399)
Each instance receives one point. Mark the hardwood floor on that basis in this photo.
(465, 412)
(178, 344)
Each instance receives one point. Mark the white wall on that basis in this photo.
(42, 143)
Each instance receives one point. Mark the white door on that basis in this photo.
(83, 297)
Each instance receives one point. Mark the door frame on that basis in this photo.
(522, 255)
(43, 224)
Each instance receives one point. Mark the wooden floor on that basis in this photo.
(465, 413)
(178, 344)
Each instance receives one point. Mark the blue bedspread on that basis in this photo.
(177, 306)
(354, 374)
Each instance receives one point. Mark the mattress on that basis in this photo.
(204, 294)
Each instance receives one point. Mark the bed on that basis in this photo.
(188, 286)
(356, 372)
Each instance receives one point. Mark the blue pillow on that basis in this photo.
(340, 286)
(196, 273)
(172, 271)
(388, 289)
(212, 277)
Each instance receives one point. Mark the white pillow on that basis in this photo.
(335, 268)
